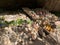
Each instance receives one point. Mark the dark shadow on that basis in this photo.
(38, 42)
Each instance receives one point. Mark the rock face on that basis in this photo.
(53, 5)
(48, 4)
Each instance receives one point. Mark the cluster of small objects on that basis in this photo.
(25, 33)
(47, 20)
(20, 34)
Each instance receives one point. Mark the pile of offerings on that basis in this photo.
(25, 29)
